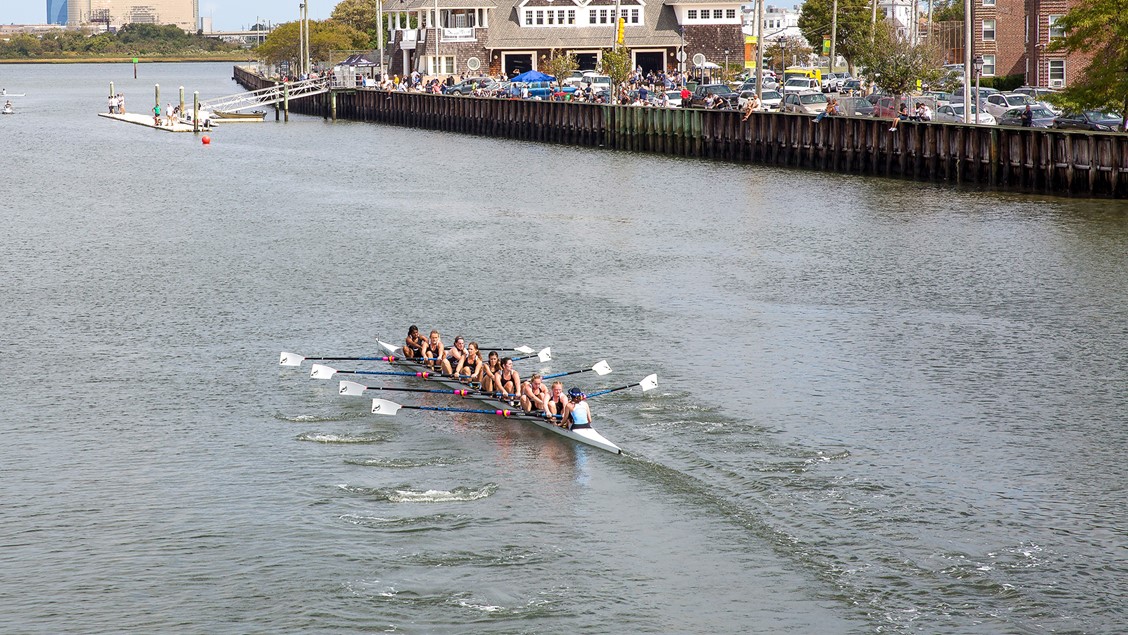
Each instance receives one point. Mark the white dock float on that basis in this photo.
(147, 121)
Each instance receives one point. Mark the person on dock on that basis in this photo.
(454, 355)
(577, 413)
(414, 344)
(554, 405)
(534, 395)
(157, 115)
(113, 104)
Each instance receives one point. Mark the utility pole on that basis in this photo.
(760, 51)
(615, 23)
(833, 38)
(380, 34)
(967, 64)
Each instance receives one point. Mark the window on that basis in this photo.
(528, 18)
(1057, 72)
(442, 65)
(540, 17)
(718, 13)
(988, 30)
(571, 16)
(552, 17)
(988, 65)
(730, 13)
(692, 14)
(988, 3)
(591, 17)
(1055, 30)
(634, 16)
(603, 16)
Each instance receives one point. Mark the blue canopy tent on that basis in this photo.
(532, 76)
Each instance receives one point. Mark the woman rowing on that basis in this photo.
(490, 371)
(415, 343)
(434, 351)
(554, 405)
(534, 394)
(508, 380)
(470, 367)
(577, 413)
(454, 355)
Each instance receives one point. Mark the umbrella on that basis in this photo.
(532, 76)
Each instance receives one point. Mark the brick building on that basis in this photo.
(479, 36)
(1053, 70)
(998, 30)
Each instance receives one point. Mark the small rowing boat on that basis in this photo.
(225, 116)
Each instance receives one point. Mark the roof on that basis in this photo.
(659, 28)
(411, 5)
(674, 3)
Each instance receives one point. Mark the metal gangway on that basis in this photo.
(266, 96)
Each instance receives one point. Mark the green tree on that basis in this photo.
(616, 64)
(948, 11)
(362, 15)
(324, 38)
(895, 65)
(781, 51)
(1098, 27)
(853, 26)
(560, 65)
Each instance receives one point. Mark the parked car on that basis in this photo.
(940, 96)
(832, 82)
(595, 81)
(718, 91)
(954, 113)
(467, 86)
(800, 84)
(675, 98)
(1036, 93)
(1088, 120)
(855, 107)
(810, 102)
(850, 87)
(999, 103)
(1042, 117)
(771, 100)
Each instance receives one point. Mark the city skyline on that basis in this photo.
(226, 14)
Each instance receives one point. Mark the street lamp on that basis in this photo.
(978, 72)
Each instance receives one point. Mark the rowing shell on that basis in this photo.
(587, 436)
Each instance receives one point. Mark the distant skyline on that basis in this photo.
(227, 15)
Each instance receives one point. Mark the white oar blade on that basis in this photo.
(384, 407)
(352, 389)
(524, 349)
(545, 354)
(290, 359)
(320, 371)
(650, 382)
(388, 347)
(601, 368)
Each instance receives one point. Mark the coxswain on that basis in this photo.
(434, 351)
(489, 373)
(508, 380)
(577, 414)
(554, 405)
(415, 343)
(534, 395)
(454, 355)
(470, 367)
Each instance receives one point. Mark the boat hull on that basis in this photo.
(587, 436)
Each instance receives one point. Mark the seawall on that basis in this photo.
(1057, 162)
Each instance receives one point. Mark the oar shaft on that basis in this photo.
(574, 372)
(424, 375)
(386, 358)
(461, 393)
(604, 392)
(500, 413)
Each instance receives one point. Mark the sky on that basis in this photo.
(226, 14)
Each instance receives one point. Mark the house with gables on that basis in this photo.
(453, 37)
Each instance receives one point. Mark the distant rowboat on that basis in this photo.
(223, 116)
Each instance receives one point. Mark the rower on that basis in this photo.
(434, 351)
(470, 366)
(577, 413)
(415, 343)
(454, 356)
(489, 373)
(534, 395)
(554, 405)
(509, 380)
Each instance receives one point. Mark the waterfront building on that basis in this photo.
(113, 14)
(513, 36)
(56, 12)
(1052, 70)
(782, 23)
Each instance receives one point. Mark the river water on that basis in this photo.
(883, 406)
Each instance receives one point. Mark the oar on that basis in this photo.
(390, 408)
(293, 359)
(649, 382)
(543, 355)
(354, 389)
(326, 372)
(600, 369)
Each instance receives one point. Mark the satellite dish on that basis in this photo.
(698, 59)
(473, 63)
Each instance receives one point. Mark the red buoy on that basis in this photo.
(206, 140)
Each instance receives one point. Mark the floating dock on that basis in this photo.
(147, 121)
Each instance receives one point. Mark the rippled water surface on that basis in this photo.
(884, 406)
